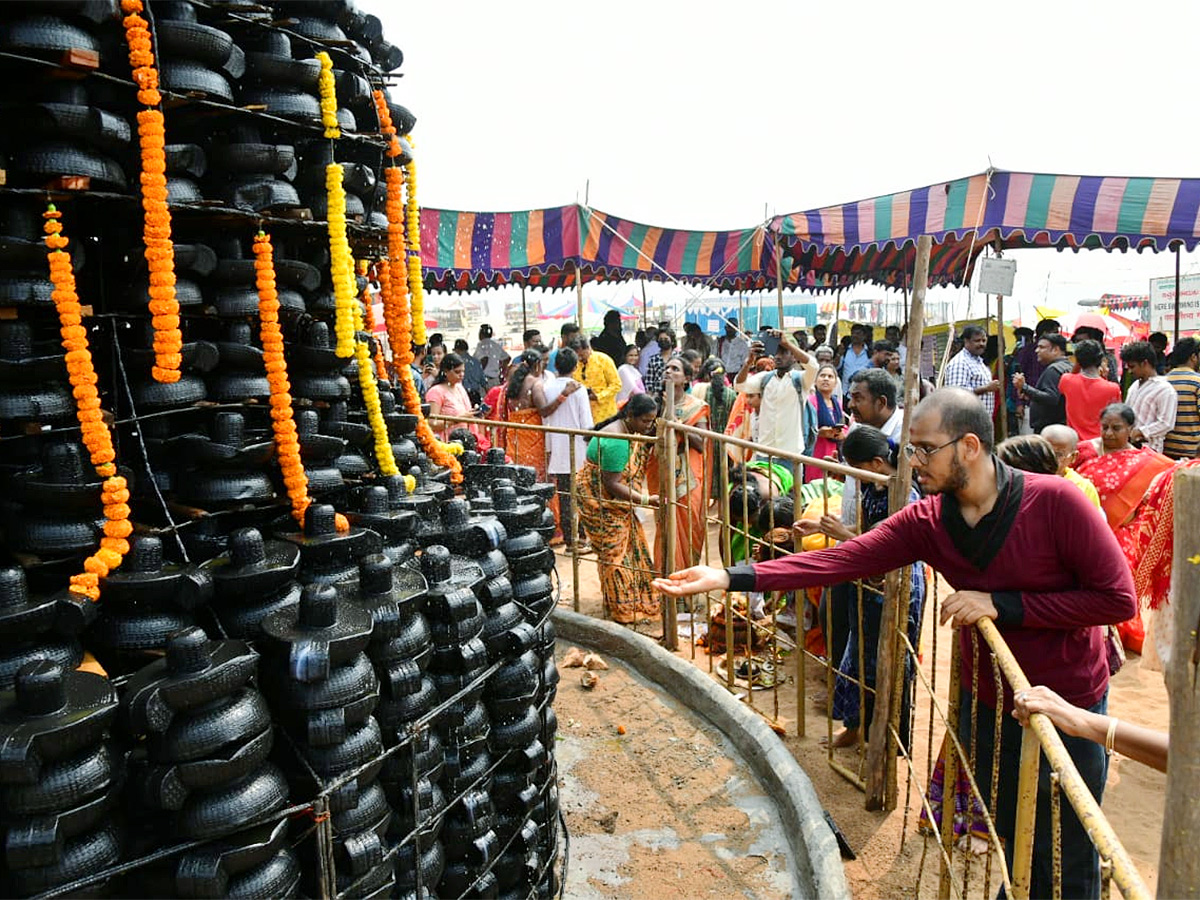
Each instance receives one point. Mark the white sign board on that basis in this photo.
(1162, 305)
(996, 276)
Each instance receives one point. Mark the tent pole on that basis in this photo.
(579, 297)
(741, 312)
(778, 281)
(524, 315)
(645, 312)
(1177, 287)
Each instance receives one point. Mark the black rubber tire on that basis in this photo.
(281, 70)
(187, 292)
(198, 259)
(286, 104)
(253, 159)
(48, 121)
(517, 678)
(237, 388)
(431, 863)
(244, 759)
(63, 784)
(214, 489)
(360, 747)
(515, 733)
(54, 537)
(181, 191)
(200, 734)
(68, 654)
(352, 681)
(45, 33)
(228, 809)
(153, 395)
(259, 194)
(191, 40)
(318, 29)
(182, 76)
(55, 158)
(278, 877)
(20, 289)
(85, 855)
(372, 806)
(147, 630)
(396, 713)
(186, 158)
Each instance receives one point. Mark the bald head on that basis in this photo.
(958, 412)
(1065, 441)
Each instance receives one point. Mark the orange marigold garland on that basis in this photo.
(283, 421)
(393, 271)
(160, 251)
(96, 436)
(406, 327)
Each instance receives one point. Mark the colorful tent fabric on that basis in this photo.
(824, 249)
(875, 240)
(546, 247)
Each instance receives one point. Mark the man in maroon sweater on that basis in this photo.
(1022, 549)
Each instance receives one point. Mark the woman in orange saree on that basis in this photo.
(1122, 475)
(688, 479)
(525, 447)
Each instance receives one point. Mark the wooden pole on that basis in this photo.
(778, 281)
(889, 680)
(666, 508)
(524, 314)
(1179, 863)
(579, 299)
(645, 313)
(1001, 373)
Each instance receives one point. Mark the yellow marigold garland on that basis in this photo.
(381, 370)
(328, 97)
(412, 224)
(160, 251)
(283, 421)
(370, 391)
(96, 437)
(341, 264)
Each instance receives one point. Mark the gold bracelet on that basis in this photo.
(1112, 733)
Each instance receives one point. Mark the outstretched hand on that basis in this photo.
(695, 580)
(1067, 717)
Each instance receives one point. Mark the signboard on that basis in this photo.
(996, 276)
(1162, 305)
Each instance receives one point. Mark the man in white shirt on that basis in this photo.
(562, 403)
(489, 354)
(734, 347)
(1152, 398)
(968, 370)
(784, 393)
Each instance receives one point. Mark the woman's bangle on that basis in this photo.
(1112, 733)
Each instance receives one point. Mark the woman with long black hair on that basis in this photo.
(448, 397)
(610, 485)
(525, 447)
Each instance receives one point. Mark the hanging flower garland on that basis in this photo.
(369, 386)
(283, 420)
(160, 251)
(96, 436)
(381, 370)
(393, 271)
(326, 90)
(400, 321)
(416, 286)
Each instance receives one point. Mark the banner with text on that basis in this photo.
(1162, 305)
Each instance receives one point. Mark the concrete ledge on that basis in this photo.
(814, 848)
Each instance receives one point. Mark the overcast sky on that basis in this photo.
(699, 115)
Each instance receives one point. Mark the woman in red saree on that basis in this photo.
(1122, 475)
(523, 446)
(689, 477)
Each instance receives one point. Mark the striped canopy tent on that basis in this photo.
(551, 248)
(875, 240)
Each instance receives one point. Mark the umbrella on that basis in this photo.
(1113, 329)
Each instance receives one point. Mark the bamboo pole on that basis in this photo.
(524, 314)
(889, 680)
(778, 281)
(645, 312)
(579, 298)
(571, 528)
(1179, 863)
(1026, 817)
(667, 518)
(1001, 373)
(1178, 291)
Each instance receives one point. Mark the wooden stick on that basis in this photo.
(881, 749)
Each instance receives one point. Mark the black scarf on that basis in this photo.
(979, 545)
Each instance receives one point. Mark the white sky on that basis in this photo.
(702, 115)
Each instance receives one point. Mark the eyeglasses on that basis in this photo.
(922, 454)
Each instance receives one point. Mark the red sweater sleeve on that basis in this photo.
(1085, 544)
(896, 541)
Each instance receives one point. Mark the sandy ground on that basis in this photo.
(656, 802)
(894, 860)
